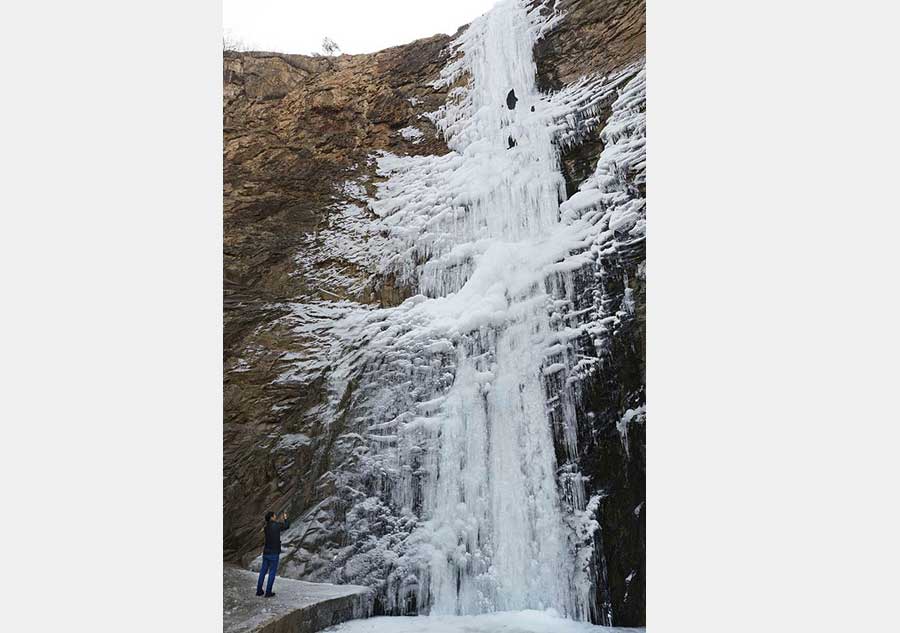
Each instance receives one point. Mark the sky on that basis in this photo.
(357, 26)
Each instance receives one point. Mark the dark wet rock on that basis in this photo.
(615, 461)
(511, 100)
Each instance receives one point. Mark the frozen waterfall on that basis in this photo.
(459, 488)
(493, 529)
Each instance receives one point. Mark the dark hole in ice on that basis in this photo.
(511, 100)
(512, 143)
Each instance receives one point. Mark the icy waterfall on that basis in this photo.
(455, 488)
(495, 532)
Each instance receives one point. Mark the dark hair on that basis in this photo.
(269, 516)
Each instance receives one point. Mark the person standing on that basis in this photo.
(271, 552)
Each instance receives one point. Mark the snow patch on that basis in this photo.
(411, 133)
(528, 621)
(293, 441)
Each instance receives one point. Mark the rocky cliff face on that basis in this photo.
(296, 129)
(302, 135)
(605, 36)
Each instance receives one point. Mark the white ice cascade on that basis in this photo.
(494, 530)
(453, 497)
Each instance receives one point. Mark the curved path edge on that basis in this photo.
(297, 607)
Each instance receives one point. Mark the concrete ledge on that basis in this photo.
(297, 607)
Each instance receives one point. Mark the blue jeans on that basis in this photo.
(269, 564)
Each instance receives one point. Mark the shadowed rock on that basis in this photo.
(511, 100)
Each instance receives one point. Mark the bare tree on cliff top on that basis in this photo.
(230, 42)
(330, 46)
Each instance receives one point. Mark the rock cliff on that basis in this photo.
(300, 247)
(296, 128)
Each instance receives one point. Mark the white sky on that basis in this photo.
(358, 26)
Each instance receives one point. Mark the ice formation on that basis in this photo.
(450, 487)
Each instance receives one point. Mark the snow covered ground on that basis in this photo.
(294, 602)
(503, 622)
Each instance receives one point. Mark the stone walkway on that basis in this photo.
(297, 607)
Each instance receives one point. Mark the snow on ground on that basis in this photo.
(245, 612)
(503, 622)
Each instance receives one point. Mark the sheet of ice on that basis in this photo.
(503, 622)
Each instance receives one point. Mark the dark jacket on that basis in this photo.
(273, 536)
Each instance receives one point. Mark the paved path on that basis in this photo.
(297, 607)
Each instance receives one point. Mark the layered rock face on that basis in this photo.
(309, 145)
(296, 130)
